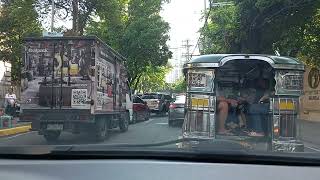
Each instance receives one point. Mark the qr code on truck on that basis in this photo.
(79, 98)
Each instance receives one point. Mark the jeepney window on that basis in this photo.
(201, 80)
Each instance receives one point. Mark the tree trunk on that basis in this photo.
(75, 16)
(137, 82)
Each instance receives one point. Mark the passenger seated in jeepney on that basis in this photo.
(224, 105)
(251, 107)
(256, 100)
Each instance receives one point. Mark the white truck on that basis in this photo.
(78, 84)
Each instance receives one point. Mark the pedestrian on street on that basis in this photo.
(10, 103)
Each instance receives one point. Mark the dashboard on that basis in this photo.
(148, 170)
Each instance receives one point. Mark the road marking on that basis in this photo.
(312, 148)
(162, 123)
(17, 135)
(149, 121)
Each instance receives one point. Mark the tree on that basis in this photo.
(139, 33)
(258, 26)
(18, 19)
(153, 79)
(180, 86)
(79, 11)
(219, 35)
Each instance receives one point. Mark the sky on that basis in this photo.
(184, 17)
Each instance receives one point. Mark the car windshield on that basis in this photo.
(180, 99)
(175, 74)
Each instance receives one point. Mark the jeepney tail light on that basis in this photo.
(276, 128)
(284, 125)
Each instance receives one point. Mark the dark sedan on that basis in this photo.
(176, 110)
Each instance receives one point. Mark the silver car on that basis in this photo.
(176, 110)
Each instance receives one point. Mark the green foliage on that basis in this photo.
(219, 35)
(180, 86)
(263, 26)
(152, 80)
(138, 32)
(18, 19)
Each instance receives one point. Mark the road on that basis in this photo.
(152, 131)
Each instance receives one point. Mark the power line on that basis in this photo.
(205, 24)
(187, 46)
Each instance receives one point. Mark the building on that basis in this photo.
(5, 80)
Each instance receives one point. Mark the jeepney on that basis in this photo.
(209, 75)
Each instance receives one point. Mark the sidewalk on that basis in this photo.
(310, 132)
(18, 128)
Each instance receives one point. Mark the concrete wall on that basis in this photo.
(310, 101)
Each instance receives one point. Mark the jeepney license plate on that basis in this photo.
(286, 106)
(200, 102)
(54, 126)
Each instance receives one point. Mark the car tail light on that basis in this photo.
(172, 106)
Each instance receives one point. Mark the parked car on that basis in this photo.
(158, 103)
(176, 110)
(141, 111)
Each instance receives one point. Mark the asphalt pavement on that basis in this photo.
(154, 130)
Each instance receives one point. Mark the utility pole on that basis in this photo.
(75, 16)
(186, 44)
(52, 15)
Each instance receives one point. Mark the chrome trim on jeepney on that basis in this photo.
(287, 146)
(200, 65)
(282, 82)
(207, 113)
(289, 66)
(230, 58)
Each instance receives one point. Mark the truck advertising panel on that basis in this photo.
(59, 73)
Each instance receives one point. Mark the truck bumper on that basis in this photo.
(68, 118)
(287, 146)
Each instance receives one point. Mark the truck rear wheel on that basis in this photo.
(101, 130)
(124, 122)
(51, 136)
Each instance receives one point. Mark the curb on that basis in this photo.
(15, 130)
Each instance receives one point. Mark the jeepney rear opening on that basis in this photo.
(230, 80)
